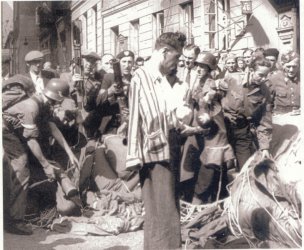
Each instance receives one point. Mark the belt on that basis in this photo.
(239, 123)
(285, 109)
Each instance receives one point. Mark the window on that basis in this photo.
(158, 24)
(187, 21)
(134, 36)
(94, 19)
(84, 29)
(114, 40)
(215, 22)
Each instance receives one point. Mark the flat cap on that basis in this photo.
(22, 80)
(125, 53)
(271, 52)
(90, 54)
(33, 55)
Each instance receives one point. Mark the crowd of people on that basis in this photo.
(180, 108)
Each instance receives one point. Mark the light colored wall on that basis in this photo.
(261, 29)
(143, 10)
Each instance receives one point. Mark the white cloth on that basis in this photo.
(38, 82)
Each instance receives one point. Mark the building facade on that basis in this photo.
(44, 26)
(224, 25)
(111, 26)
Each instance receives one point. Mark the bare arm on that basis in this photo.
(62, 142)
(48, 168)
(36, 150)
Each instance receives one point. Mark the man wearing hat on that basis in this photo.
(230, 64)
(107, 96)
(285, 84)
(34, 63)
(271, 55)
(22, 127)
(86, 89)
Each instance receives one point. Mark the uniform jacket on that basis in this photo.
(250, 101)
(26, 117)
(285, 92)
(91, 88)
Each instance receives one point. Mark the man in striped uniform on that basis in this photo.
(152, 143)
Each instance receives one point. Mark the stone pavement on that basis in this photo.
(47, 240)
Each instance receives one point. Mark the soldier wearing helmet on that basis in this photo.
(217, 155)
(204, 64)
(24, 125)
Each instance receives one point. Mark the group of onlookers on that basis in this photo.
(178, 110)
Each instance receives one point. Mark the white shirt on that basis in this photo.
(38, 82)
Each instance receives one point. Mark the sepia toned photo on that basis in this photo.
(151, 124)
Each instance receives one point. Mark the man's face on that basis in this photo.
(88, 65)
(35, 66)
(248, 57)
(291, 69)
(190, 58)
(47, 65)
(240, 64)
(140, 63)
(230, 65)
(202, 70)
(106, 63)
(51, 102)
(170, 61)
(126, 64)
(260, 74)
(272, 60)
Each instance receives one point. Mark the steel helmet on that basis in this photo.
(56, 89)
(207, 58)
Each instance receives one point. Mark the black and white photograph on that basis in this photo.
(151, 124)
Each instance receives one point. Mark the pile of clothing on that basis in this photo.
(109, 213)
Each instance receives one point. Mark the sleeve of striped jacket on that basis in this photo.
(134, 153)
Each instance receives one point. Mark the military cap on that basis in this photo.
(91, 54)
(230, 56)
(22, 80)
(33, 55)
(125, 53)
(271, 52)
(289, 56)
